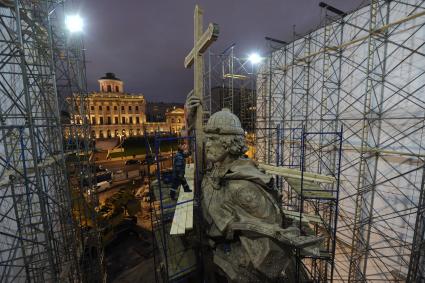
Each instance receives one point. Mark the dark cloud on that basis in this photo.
(145, 42)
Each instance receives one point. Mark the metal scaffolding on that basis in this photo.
(39, 240)
(229, 82)
(363, 71)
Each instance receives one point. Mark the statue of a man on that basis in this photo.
(242, 217)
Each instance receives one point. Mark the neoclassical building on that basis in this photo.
(113, 113)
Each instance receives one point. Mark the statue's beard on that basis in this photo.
(215, 157)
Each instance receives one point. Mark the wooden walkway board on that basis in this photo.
(306, 218)
(309, 189)
(296, 174)
(183, 215)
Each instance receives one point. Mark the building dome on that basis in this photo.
(110, 76)
(110, 83)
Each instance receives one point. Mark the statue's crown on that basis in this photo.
(224, 122)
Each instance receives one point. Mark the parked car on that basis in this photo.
(102, 186)
(99, 177)
(132, 162)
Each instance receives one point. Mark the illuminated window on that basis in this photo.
(109, 88)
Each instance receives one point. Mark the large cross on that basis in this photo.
(201, 42)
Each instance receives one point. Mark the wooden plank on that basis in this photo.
(191, 182)
(182, 206)
(306, 218)
(310, 189)
(179, 219)
(189, 210)
(296, 174)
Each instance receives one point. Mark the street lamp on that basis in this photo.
(254, 58)
(74, 23)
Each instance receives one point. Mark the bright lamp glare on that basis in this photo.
(74, 23)
(255, 58)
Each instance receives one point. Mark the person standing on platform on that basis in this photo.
(179, 166)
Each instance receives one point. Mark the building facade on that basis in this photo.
(155, 111)
(112, 113)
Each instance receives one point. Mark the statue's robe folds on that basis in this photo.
(244, 224)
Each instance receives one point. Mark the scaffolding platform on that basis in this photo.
(309, 189)
(305, 217)
(183, 214)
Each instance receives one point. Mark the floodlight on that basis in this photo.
(255, 58)
(74, 23)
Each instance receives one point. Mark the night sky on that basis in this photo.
(144, 42)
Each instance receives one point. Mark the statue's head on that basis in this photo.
(224, 136)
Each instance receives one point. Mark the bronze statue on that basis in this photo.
(244, 223)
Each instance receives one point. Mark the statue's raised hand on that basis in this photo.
(191, 105)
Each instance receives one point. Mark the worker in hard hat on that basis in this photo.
(179, 167)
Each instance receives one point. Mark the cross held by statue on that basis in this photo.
(202, 40)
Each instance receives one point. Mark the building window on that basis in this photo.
(116, 133)
(116, 120)
(100, 107)
(137, 120)
(93, 120)
(109, 88)
(137, 108)
(123, 132)
(172, 120)
(138, 132)
(178, 120)
(101, 120)
(92, 108)
(108, 108)
(129, 108)
(101, 134)
(115, 108)
(117, 89)
(109, 120)
(131, 120)
(108, 133)
(93, 134)
(131, 132)
(122, 108)
(122, 120)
